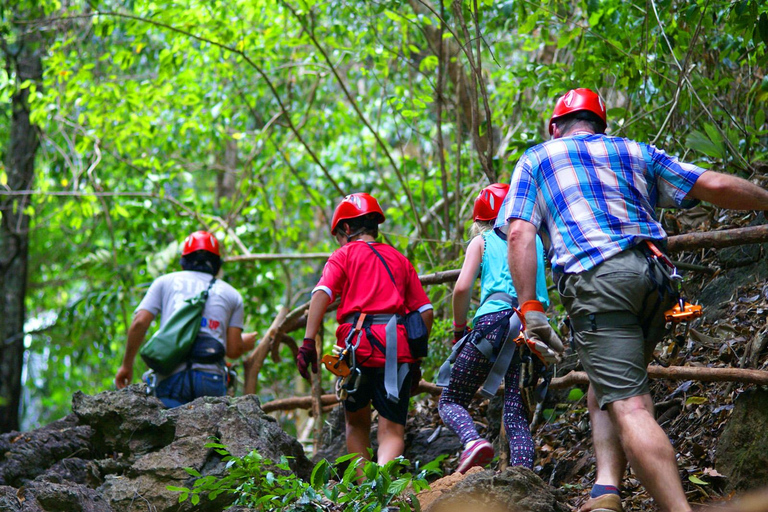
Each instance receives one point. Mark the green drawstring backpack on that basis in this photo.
(171, 344)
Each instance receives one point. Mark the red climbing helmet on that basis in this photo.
(576, 100)
(356, 205)
(488, 202)
(200, 241)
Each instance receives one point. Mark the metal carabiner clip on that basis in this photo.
(352, 382)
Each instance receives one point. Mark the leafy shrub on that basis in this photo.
(259, 483)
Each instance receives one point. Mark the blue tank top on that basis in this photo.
(495, 276)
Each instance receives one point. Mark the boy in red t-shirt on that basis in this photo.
(374, 279)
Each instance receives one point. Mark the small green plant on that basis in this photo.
(259, 483)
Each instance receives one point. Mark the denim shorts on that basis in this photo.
(184, 386)
(615, 357)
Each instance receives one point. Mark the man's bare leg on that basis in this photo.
(391, 437)
(649, 451)
(611, 461)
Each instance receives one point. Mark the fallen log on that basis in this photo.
(701, 374)
(718, 239)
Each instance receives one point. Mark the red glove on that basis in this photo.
(307, 355)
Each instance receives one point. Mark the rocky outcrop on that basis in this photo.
(120, 450)
(742, 451)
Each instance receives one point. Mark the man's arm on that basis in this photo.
(136, 333)
(239, 343)
(728, 191)
(522, 258)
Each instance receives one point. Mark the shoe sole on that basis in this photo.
(480, 457)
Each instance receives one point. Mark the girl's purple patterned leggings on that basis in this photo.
(469, 372)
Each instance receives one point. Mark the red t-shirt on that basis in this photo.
(355, 273)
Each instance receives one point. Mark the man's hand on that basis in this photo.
(307, 355)
(543, 340)
(124, 376)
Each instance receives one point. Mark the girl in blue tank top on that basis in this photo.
(486, 256)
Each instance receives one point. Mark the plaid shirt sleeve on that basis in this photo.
(674, 179)
(521, 202)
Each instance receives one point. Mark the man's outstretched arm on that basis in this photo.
(728, 191)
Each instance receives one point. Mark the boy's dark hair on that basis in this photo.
(201, 261)
(365, 225)
(568, 121)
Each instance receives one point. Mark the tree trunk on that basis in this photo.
(22, 58)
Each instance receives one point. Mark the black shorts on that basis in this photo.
(371, 389)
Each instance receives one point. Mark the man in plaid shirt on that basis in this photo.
(592, 198)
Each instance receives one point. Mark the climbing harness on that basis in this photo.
(231, 378)
(344, 364)
(671, 285)
(501, 357)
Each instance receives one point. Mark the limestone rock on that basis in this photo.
(28, 455)
(41, 496)
(120, 450)
(238, 423)
(742, 451)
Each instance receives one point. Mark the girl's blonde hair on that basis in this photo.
(479, 227)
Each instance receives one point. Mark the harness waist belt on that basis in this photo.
(595, 321)
(393, 376)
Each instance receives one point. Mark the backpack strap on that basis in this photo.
(503, 359)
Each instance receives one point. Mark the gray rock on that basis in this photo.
(120, 450)
(39, 496)
(126, 421)
(742, 451)
(28, 455)
(238, 423)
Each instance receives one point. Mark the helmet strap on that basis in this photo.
(352, 235)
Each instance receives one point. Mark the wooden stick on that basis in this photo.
(253, 363)
(698, 373)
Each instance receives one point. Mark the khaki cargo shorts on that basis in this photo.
(615, 357)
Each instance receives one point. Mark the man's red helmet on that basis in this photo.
(488, 202)
(356, 205)
(576, 100)
(200, 241)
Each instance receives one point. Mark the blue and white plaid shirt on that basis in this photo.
(593, 196)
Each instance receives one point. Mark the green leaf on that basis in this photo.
(696, 400)
(697, 480)
(700, 142)
(760, 118)
(193, 472)
(575, 395)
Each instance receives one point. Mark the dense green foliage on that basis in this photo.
(258, 483)
(252, 118)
